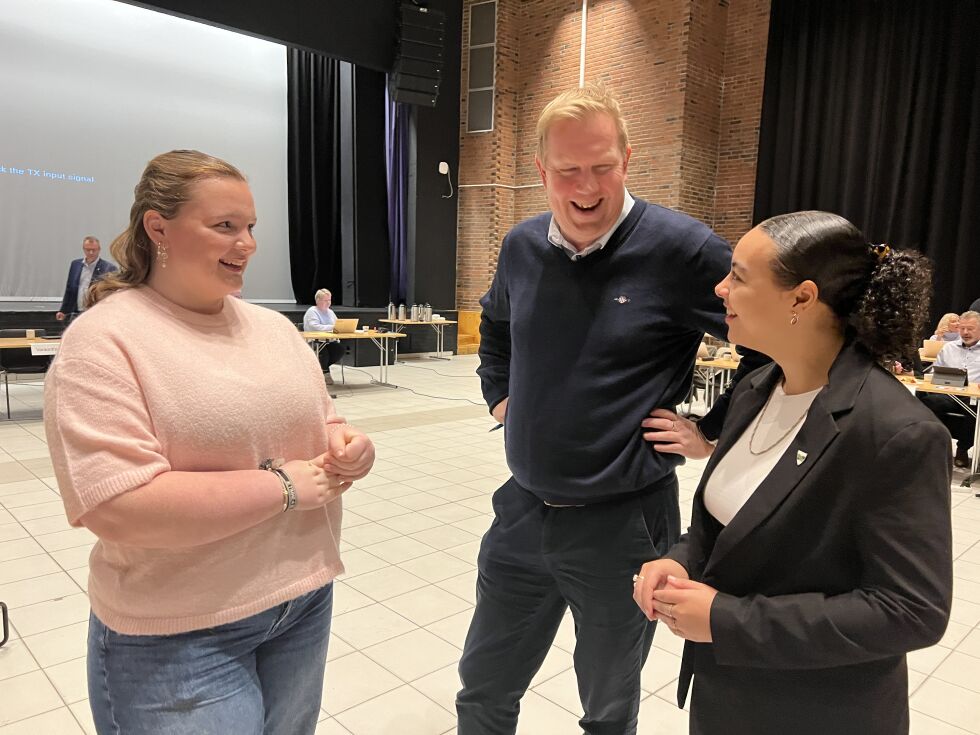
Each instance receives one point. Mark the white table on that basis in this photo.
(37, 345)
(967, 397)
(379, 339)
(439, 325)
(710, 369)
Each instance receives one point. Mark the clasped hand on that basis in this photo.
(350, 453)
(665, 593)
(321, 480)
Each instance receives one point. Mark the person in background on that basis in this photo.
(964, 353)
(820, 545)
(192, 433)
(621, 289)
(320, 318)
(82, 273)
(948, 328)
(910, 364)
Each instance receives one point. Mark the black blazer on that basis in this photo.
(69, 304)
(839, 564)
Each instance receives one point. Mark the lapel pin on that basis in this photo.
(623, 299)
(800, 457)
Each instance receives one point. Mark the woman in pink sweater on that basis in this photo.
(211, 582)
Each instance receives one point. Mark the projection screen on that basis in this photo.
(90, 90)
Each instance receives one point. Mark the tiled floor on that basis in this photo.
(411, 535)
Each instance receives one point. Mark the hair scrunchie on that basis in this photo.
(880, 251)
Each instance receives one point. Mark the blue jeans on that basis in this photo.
(260, 675)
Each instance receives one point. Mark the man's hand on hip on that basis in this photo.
(499, 411)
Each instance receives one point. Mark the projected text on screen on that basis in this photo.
(45, 174)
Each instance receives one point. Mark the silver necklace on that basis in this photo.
(762, 415)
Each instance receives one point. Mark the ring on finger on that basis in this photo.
(673, 425)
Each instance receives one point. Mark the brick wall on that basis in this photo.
(486, 213)
(703, 75)
(688, 74)
(745, 70)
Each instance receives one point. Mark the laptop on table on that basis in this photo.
(345, 326)
(931, 347)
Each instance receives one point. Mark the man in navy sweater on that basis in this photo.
(592, 322)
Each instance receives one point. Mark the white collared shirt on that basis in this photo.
(957, 355)
(558, 240)
(84, 281)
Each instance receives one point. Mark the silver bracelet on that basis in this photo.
(285, 495)
(289, 490)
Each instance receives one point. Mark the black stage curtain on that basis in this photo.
(871, 109)
(313, 162)
(372, 259)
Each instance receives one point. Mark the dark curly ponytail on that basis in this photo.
(881, 295)
(891, 315)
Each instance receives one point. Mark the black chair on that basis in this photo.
(19, 360)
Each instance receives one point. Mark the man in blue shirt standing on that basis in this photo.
(962, 353)
(82, 273)
(591, 325)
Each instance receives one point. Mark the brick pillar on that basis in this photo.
(741, 110)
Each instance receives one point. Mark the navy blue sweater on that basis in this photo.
(585, 349)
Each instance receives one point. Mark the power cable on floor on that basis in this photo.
(432, 370)
(410, 390)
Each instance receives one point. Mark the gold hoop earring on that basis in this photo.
(795, 319)
(162, 254)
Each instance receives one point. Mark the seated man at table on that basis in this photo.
(963, 353)
(320, 318)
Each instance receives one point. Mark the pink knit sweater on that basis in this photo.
(142, 386)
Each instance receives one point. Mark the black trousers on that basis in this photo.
(536, 561)
(331, 354)
(954, 417)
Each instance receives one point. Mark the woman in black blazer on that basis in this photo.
(819, 551)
